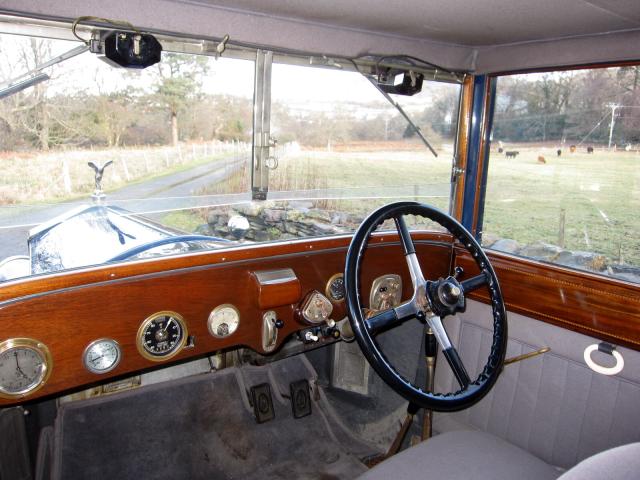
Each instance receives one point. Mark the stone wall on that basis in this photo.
(581, 260)
(270, 221)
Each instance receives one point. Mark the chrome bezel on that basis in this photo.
(47, 364)
(215, 311)
(171, 353)
(94, 343)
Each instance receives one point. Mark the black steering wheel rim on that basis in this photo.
(475, 390)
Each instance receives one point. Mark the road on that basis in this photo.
(151, 197)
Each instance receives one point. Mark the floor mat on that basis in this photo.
(203, 428)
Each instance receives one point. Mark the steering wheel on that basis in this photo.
(431, 302)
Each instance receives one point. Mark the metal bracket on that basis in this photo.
(262, 141)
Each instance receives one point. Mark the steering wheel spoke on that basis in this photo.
(474, 283)
(417, 278)
(390, 318)
(449, 351)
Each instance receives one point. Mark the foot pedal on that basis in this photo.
(300, 398)
(262, 403)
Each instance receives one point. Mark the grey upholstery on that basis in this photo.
(463, 455)
(621, 463)
(552, 405)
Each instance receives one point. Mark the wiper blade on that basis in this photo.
(403, 113)
(34, 76)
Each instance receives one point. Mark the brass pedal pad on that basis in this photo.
(262, 403)
(300, 398)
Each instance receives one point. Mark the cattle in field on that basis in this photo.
(511, 153)
(541, 159)
(572, 149)
(500, 150)
(589, 149)
(559, 152)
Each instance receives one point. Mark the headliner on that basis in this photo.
(477, 35)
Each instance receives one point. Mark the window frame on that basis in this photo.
(585, 302)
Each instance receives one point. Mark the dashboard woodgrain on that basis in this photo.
(590, 304)
(68, 311)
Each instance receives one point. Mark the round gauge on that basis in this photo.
(25, 365)
(335, 288)
(223, 320)
(101, 356)
(161, 336)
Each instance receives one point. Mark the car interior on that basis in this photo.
(319, 240)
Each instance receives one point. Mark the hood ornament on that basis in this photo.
(98, 195)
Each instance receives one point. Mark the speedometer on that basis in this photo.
(161, 336)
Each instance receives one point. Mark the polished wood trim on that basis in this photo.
(67, 312)
(597, 306)
(43, 284)
(462, 148)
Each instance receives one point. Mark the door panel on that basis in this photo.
(552, 405)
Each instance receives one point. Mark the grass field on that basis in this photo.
(580, 201)
(597, 194)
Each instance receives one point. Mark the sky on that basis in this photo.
(313, 88)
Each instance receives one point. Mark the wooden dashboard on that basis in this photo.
(67, 312)
(70, 310)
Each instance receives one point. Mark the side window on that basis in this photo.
(564, 170)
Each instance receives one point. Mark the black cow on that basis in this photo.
(511, 153)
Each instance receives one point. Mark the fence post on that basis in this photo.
(563, 214)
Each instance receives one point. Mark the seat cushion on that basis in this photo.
(621, 463)
(463, 455)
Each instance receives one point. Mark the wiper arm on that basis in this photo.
(34, 76)
(403, 113)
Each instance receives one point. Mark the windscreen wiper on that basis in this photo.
(35, 76)
(416, 129)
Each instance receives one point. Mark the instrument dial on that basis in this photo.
(335, 288)
(223, 320)
(161, 336)
(102, 356)
(25, 365)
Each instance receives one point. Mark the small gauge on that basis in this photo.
(101, 356)
(25, 365)
(161, 336)
(316, 309)
(223, 320)
(335, 288)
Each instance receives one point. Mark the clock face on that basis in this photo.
(102, 356)
(162, 336)
(25, 365)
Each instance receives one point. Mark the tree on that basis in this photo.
(180, 79)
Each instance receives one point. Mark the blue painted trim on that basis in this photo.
(483, 180)
(471, 172)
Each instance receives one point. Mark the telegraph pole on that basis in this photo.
(613, 108)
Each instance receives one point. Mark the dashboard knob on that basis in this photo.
(310, 337)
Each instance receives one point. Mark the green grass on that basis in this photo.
(186, 220)
(598, 193)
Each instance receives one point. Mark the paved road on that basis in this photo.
(159, 194)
